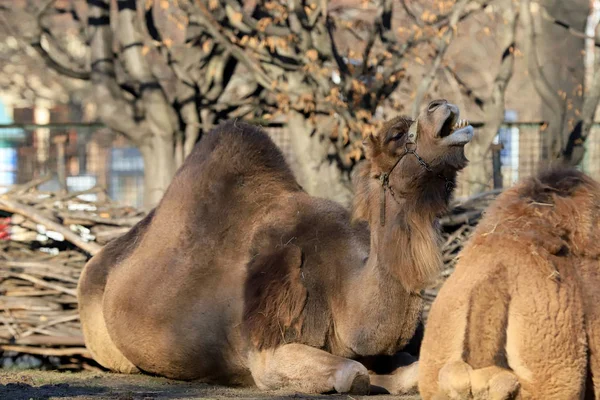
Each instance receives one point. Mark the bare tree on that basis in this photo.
(164, 72)
(479, 172)
(24, 78)
(563, 134)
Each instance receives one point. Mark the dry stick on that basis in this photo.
(48, 352)
(49, 340)
(35, 216)
(29, 185)
(467, 202)
(79, 216)
(42, 282)
(47, 325)
(29, 293)
(37, 264)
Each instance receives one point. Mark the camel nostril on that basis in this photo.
(435, 104)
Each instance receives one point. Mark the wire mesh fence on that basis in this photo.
(82, 156)
(79, 156)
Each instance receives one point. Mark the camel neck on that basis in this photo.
(407, 246)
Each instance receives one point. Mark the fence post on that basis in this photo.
(61, 169)
(497, 165)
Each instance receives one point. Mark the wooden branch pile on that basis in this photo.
(48, 237)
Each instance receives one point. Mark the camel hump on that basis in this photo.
(560, 181)
(238, 147)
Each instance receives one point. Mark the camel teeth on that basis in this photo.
(461, 123)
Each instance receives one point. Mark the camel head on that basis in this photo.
(416, 160)
(437, 136)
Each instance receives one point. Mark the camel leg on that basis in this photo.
(404, 380)
(493, 383)
(90, 296)
(593, 373)
(458, 381)
(307, 369)
(90, 293)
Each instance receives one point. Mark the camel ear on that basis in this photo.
(372, 146)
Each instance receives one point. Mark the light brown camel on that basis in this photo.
(238, 276)
(520, 316)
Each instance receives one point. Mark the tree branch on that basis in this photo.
(479, 102)
(441, 46)
(54, 56)
(202, 15)
(113, 109)
(542, 85)
(493, 108)
(575, 32)
(252, 24)
(582, 130)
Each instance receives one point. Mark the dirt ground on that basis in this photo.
(38, 385)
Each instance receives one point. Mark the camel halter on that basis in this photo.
(384, 178)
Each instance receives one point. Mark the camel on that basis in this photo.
(519, 316)
(239, 277)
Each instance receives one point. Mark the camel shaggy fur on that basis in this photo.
(520, 316)
(238, 276)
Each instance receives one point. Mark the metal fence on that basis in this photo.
(81, 156)
(523, 151)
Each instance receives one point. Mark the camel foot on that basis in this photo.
(352, 378)
(459, 381)
(306, 369)
(361, 385)
(404, 380)
(493, 383)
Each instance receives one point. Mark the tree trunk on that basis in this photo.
(479, 173)
(575, 149)
(158, 161)
(315, 173)
(554, 106)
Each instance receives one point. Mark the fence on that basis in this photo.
(80, 156)
(84, 155)
(523, 151)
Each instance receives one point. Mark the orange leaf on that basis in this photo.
(236, 17)
(312, 54)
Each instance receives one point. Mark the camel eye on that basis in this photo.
(397, 136)
(435, 104)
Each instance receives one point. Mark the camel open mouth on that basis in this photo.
(456, 132)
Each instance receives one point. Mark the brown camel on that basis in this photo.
(238, 276)
(520, 316)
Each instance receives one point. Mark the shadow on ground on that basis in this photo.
(46, 385)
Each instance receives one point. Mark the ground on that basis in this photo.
(38, 385)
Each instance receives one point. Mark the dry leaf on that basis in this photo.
(263, 23)
(312, 55)
(237, 17)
